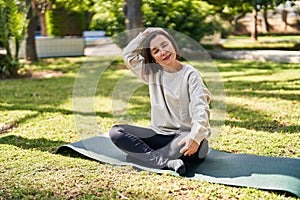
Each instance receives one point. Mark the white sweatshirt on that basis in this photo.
(179, 101)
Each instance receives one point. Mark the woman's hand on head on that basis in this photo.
(148, 31)
(190, 146)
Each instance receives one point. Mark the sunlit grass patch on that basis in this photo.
(262, 118)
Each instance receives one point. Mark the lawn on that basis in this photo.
(37, 117)
(291, 42)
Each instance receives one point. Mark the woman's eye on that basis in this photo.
(156, 51)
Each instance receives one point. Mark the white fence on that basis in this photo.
(56, 47)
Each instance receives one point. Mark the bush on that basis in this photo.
(64, 22)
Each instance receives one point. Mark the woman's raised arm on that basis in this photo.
(133, 59)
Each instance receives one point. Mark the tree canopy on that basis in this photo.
(194, 18)
(12, 28)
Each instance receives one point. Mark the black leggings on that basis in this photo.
(147, 146)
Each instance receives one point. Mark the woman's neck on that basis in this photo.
(177, 66)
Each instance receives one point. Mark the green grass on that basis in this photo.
(274, 37)
(37, 117)
(291, 42)
(282, 42)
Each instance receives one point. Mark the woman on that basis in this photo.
(179, 105)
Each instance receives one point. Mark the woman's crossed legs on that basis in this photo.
(150, 148)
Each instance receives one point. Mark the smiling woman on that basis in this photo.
(179, 99)
(164, 54)
(162, 49)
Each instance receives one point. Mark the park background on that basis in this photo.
(262, 91)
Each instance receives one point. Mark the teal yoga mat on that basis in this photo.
(269, 173)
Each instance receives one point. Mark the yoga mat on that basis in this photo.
(262, 172)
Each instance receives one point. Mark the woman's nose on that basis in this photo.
(162, 51)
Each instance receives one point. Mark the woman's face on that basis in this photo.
(163, 51)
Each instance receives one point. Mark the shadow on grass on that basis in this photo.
(41, 144)
(25, 119)
(63, 64)
(264, 85)
(258, 89)
(253, 119)
(260, 67)
(47, 96)
(15, 123)
(257, 86)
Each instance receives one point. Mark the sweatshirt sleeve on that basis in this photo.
(133, 59)
(199, 108)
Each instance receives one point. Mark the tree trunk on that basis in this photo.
(30, 47)
(87, 19)
(43, 24)
(284, 19)
(266, 23)
(133, 16)
(254, 25)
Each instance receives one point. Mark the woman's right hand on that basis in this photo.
(147, 31)
(190, 146)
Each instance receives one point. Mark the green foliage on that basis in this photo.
(12, 29)
(64, 22)
(76, 5)
(193, 18)
(71, 17)
(231, 9)
(109, 17)
(4, 31)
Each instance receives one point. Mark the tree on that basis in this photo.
(12, 28)
(257, 4)
(78, 5)
(230, 11)
(239, 8)
(40, 7)
(284, 12)
(109, 16)
(266, 4)
(30, 47)
(254, 23)
(132, 10)
(271, 4)
(193, 18)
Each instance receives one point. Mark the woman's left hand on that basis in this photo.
(190, 146)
